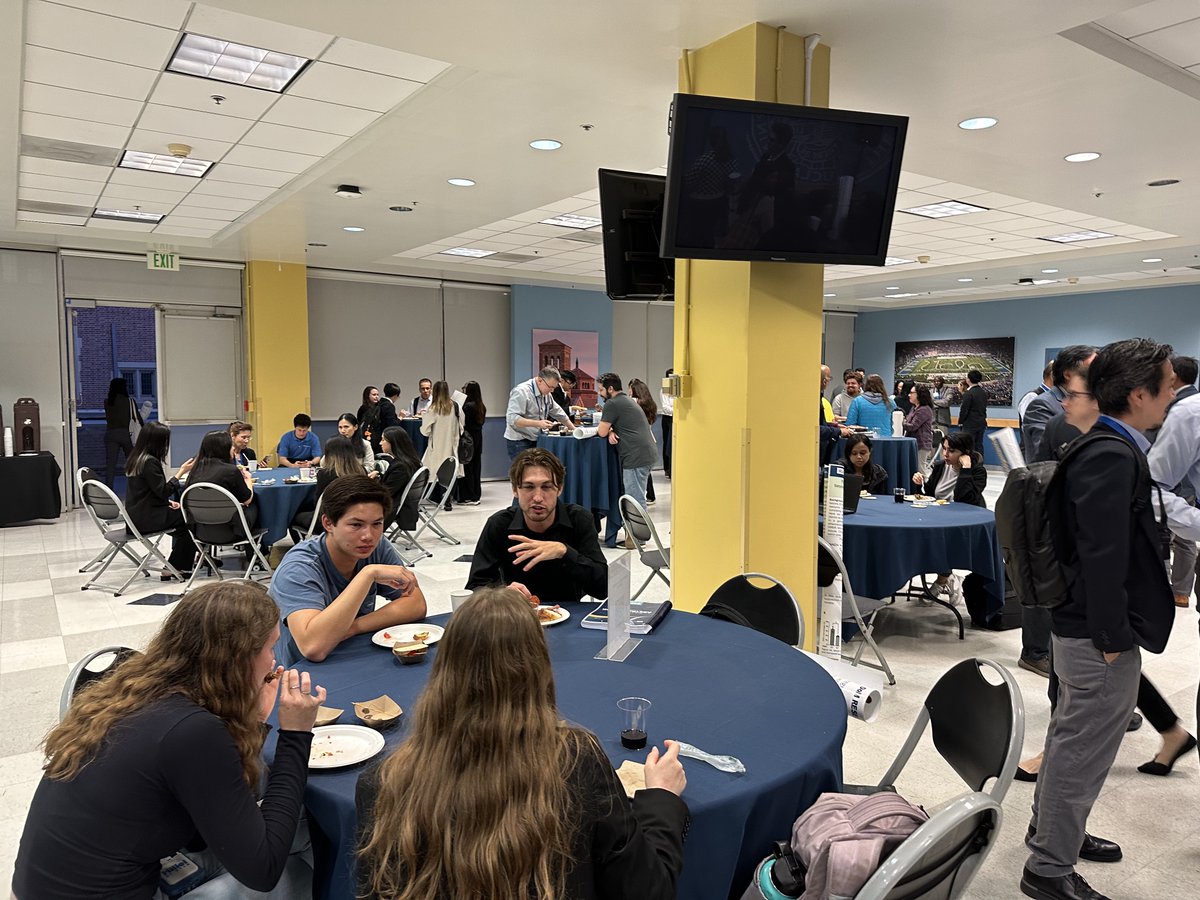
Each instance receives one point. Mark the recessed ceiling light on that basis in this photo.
(1162, 182)
(207, 57)
(899, 296)
(896, 261)
(169, 165)
(977, 123)
(892, 287)
(317, 244)
(965, 280)
(1049, 271)
(545, 144)
(354, 228)
(1043, 281)
(1074, 237)
(570, 220)
(1152, 259)
(1086, 156)
(349, 191)
(128, 215)
(461, 182)
(944, 208)
(400, 208)
(472, 252)
(831, 295)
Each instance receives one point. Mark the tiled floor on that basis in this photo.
(47, 622)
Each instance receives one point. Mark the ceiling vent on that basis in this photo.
(54, 209)
(68, 151)
(513, 257)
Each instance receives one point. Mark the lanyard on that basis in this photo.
(541, 400)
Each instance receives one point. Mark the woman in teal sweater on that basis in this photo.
(872, 408)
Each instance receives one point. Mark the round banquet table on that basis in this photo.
(719, 686)
(412, 425)
(896, 454)
(885, 544)
(593, 478)
(278, 502)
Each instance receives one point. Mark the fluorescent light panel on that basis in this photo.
(170, 165)
(127, 215)
(896, 261)
(207, 57)
(1074, 237)
(899, 296)
(945, 208)
(569, 220)
(472, 252)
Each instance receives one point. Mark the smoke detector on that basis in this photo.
(181, 151)
(349, 191)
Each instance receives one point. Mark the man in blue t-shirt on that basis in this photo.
(326, 587)
(299, 447)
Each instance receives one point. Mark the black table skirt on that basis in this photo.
(29, 488)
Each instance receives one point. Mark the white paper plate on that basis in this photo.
(563, 615)
(404, 634)
(335, 746)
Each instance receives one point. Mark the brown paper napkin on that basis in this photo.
(632, 776)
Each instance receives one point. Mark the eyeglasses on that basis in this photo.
(1074, 395)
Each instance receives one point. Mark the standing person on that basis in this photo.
(666, 412)
(562, 393)
(390, 412)
(350, 427)
(972, 411)
(918, 423)
(369, 428)
(299, 447)
(625, 425)
(150, 497)
(164, 753)
(424, 398)
(640, 392)
(1030, 396)
(530, 409)
(826, 406)
(474, 413)
(901, 396)
(242, 433)
(443, 425)
(1103, 523)
(852, 387)
(542, 815)
(942, 396)
(119, 411)
(1049, 403)
(872, 408)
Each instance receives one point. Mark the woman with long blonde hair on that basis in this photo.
(443, 424)
(494, 796)
(164, 750)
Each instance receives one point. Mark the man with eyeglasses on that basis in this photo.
(531, 407)
(542, 547)
(1046, 405)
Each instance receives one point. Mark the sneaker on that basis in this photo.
(1036, 666)
(956, 594)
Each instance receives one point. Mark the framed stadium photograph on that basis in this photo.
(920, 361)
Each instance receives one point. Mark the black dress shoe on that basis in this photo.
(1058, 887)
(1024, 775)
(1135, 722)
(1154, 767)
(1094, 849)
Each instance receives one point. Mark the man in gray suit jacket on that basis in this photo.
(1047, 405)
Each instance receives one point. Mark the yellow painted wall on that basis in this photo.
(276, 349)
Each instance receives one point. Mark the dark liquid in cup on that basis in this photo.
(633, 739)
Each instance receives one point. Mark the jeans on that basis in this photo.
(635, 482)
(515, 447)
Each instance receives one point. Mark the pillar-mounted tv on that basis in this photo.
(768, 181)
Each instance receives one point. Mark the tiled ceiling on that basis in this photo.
(94, 76)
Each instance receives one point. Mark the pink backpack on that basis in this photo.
(843, 838)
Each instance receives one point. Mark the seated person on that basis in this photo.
(242, 433)
(542, 811)
(150, 497)
(339, 460)
(542, 547)
(214, 465)
(299, 447)
(347, 425)
(163, 752)
(403, 461)
(326, 587)
(958, 475)
(858, 462)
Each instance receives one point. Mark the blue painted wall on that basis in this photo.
(551, 307)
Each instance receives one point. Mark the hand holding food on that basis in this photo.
(297, 702)
(268, 692)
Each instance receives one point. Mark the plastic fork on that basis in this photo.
(724, 763)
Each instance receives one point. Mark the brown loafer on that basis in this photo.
(1181, 600)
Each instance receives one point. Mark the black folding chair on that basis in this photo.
(773, 610)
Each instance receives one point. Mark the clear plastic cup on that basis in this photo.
(633, 722)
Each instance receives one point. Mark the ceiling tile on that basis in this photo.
(50, 219)
(83, 198)
(167, 13)
(372, 58)
(231, 26)
(1179, 43)
(200, 212)
(274, 160)
(187, 222)
(61, 129)
(35, 166)
(156, 142)
(98, 35)
(168, 228)
(295, 140)
(351, 87)
(112, 225)
(58, 183)
(186, 92)
(189, 123)
(117, 194)
(46, 66)
(71, 104)
(246, 175)
(159, 181)
(211, 188)
(205, 201)
(318, 116)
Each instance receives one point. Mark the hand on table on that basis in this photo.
(527, 552)
(544, 423)
(394, 577)
(845, 432)
(297, 702)
(666, 771)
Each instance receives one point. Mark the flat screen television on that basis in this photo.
(631, 214)
(768, 181)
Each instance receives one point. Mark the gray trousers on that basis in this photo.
(1183, 565)
(1095, 700)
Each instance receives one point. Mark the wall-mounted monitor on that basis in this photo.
(631, 212)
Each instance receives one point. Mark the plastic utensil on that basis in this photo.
(724, 763)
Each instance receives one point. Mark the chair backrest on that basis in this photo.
(89, 669)
(100, 500)
(447, 472)
(418, 486)
(773, 610)
(213, 514)
(316, 519)
(638, 524)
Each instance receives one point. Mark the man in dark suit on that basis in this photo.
(1046, 405)
(972, 412)
(387, 406)
(1120, 601)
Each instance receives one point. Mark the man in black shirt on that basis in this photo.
(542, 547)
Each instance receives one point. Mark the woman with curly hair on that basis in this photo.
(163, 752)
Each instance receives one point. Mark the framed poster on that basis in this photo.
(574, 351)
(920, 361)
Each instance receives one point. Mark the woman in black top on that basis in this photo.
(164, 753)
(150, 495)
(337, 459)
(857, 461)
(368, 417)
(542, 815)
(214, 465)
(403, 460)
(469, 488)
(118, 412)
(958, 462)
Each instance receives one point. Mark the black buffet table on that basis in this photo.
(29, 488)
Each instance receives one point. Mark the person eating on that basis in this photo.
(300, 447)
(857, 461)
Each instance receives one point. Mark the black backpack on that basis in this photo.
(466, 443)
(1024, 524)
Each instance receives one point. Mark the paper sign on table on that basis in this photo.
(619, 644)
(829, 638)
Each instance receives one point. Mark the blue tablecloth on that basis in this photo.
(278, 502)
(722, 687)
(896, 454)
(413, 427)
(887, 543)
(593, 478)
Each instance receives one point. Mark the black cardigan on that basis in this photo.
(147, 496)
(970, 485)
(875, 478)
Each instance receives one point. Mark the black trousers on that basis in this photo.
(667, 424)
(115, 440)
(469, 487)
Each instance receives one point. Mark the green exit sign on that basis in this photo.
(165, 262)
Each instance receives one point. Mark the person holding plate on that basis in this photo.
(326, 587)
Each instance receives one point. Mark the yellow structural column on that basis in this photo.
(748, 341)
(276, 349)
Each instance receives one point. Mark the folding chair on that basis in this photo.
(772, 610)
(641, 529)
(428, 509)
(104, 505)
(216, 519)
(300, 532)
(398, 531)
(86, 671)
(86, 474)
(861, 610)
